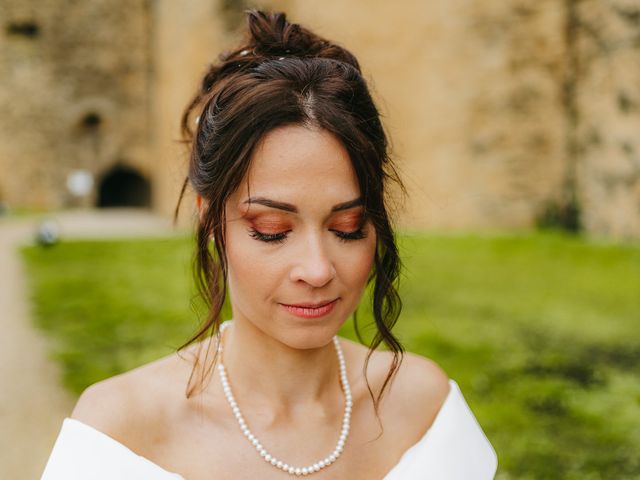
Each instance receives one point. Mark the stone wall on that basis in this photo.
(499, 111)
(607, 115)
(185, 41)
(75, 94)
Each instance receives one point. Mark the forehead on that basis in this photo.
(296, 163)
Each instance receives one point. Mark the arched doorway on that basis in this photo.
(123, 186)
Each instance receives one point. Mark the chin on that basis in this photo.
(305, 335)
(310, 343)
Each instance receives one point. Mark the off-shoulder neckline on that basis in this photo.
(453, 390)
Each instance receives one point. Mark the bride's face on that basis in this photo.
(299, 240)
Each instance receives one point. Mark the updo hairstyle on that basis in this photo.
(284, 74)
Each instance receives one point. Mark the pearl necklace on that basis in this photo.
(325, 462)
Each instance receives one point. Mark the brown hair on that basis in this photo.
(284, 74)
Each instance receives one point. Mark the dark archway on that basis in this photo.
(123, 186)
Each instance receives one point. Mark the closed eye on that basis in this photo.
(281, 236)
(347, 236)
(268, 237)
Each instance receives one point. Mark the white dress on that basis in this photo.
(453, 448)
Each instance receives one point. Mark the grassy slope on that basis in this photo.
(541, 331)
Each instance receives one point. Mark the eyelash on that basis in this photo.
(280, 237)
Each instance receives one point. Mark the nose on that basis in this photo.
(313, 264)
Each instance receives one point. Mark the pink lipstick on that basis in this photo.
(306, 311)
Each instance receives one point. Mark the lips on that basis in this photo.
(310, 304)
(311, 310)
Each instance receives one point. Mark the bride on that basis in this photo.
(290, 166)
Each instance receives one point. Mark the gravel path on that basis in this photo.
(32, 402)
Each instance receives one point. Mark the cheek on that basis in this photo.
(238, 260)
(249, 268)
(355, 266)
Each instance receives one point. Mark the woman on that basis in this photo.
(289, 162)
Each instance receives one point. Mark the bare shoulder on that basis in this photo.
(127, 406)
(416, 396)
(416, 393)
(102, 405)
(417, 376)
(422, 381)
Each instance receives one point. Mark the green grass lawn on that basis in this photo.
(541, 331)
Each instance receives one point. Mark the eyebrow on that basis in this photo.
(292, 208)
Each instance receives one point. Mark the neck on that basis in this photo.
(265, 373)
